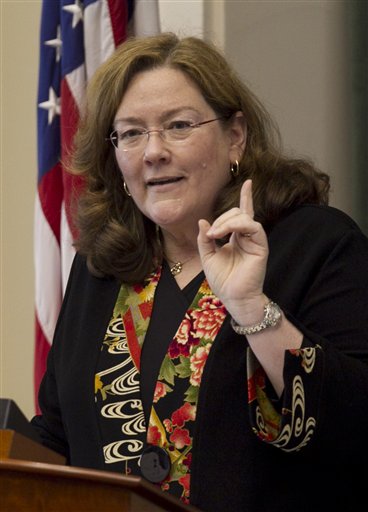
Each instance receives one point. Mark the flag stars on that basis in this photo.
(52, 105)
(77, 10)
(56, 43)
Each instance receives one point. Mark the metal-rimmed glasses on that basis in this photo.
(136, 138)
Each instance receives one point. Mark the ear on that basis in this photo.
(238, 136)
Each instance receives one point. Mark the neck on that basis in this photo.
(181, 252)
(178, 247)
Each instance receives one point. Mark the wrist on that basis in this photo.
(271, 316)
(249, 312)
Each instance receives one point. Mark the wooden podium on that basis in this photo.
(34, 479)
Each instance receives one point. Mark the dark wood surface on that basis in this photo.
(17, 446)
(29, 486)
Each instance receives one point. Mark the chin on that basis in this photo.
(167, 214)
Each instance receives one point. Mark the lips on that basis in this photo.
(163, 181)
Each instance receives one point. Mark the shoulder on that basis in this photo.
(81, 279)
(312, 214)
(317, 221)
(315, 244)
(86, 296)
(313, 233)
(78, 270)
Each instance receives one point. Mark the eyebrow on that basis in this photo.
(164, 116)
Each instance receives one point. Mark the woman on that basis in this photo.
(216, 303)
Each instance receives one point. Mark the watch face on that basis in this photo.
(273, 314)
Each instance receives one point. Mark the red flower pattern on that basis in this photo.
(183, 334)
(153, 435)
(168, 425)
(258, 379)
(208, 320)
(145, 309)
(185, 482)
(197, 362)
(180, 437)
(176, 349)
(160, 391)
(185, 413)
(184, 339)
(188, 460)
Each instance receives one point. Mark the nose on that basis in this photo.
(156, 147)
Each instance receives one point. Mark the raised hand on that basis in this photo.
(236, 270)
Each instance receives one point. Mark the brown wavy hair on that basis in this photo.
(114, 236)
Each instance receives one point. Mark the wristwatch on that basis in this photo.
(272, 316)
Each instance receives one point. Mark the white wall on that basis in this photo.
(292, 53)
(18, 161)
(294, 56)
(182, 17)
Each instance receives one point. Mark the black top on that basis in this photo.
(170, 304)
(317, 273)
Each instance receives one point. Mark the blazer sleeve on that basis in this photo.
(318, 272)
(49, 424)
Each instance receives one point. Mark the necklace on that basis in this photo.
(176, 268)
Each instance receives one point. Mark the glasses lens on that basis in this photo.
(178, 131)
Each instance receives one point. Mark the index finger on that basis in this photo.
(246, 198)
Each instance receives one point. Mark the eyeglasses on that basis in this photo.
(136, 138)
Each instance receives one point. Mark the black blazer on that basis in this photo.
(318, 273)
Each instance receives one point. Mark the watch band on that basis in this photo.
(272, 316)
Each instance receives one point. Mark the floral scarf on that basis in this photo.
(175, 399)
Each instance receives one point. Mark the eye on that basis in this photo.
(179, 125)
(131, 134)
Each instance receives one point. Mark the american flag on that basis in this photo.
(75, 38)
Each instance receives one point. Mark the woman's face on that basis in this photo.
(174, 183)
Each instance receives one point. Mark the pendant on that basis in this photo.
(177, 268)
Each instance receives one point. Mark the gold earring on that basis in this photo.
(127, 190)
(235, 168)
